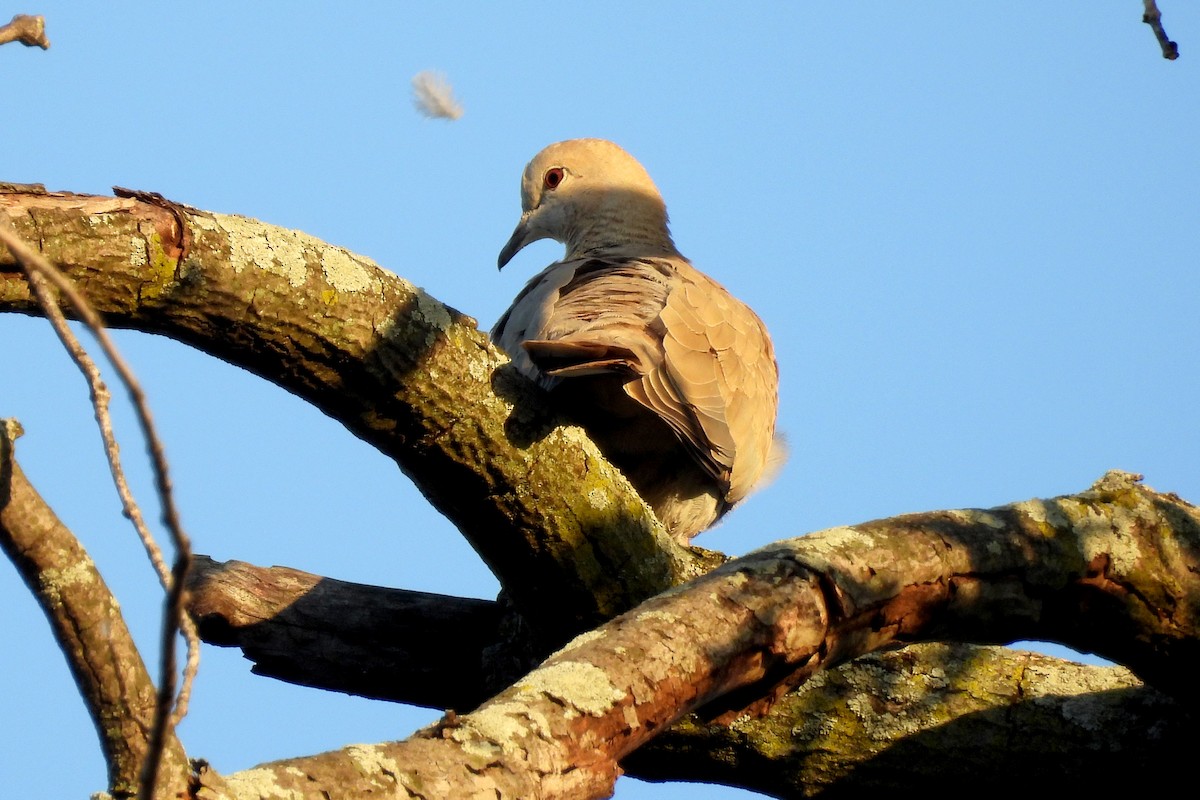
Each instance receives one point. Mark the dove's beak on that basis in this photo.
(523, 235)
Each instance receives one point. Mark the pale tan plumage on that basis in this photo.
(673, 377)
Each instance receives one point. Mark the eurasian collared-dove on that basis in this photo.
(673, 378)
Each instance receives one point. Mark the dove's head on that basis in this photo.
(593, 197)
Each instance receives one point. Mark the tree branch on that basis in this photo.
(939, 714)
(1112, 570)
(87, 623)
(403, 372)
(27, 29)
(1043, 569)
(366, 640)
(41, 274)
(851, 729)
(1119, 561)
(1153, 18)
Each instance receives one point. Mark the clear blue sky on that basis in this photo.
(972, 229)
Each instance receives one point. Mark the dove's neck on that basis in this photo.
(627, 227)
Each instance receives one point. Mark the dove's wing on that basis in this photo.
(694, 355)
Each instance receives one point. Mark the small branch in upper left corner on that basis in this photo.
(29, 30)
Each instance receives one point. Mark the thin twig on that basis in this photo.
(41, 272)
(26, 29)
(1153, 18)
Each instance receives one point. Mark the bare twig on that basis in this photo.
(40, 272)
(26, 29)
(1153, 18)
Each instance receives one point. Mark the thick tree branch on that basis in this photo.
(1118, 558)
(848, 730)
(1113, 570)
(1052, 569)
(412, 377)
(87, 623)
(940, 715)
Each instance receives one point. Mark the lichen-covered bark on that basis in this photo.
(409, 375)
(954, 711)
(937, 715)
(765, 623)
(1113, 570)
(88, 625)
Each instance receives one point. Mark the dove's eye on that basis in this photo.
(553, 178)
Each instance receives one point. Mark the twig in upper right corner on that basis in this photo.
(1153, 18)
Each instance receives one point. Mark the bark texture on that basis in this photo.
(412, 377)
(896, 719)
(763, 624)
(1113, 570)
(935, 715)
(87, 622)
(367, 640)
